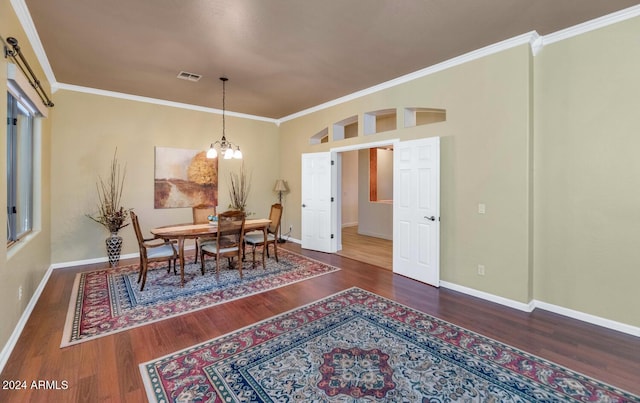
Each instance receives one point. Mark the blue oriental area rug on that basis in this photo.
(107, 301)
(356, 346)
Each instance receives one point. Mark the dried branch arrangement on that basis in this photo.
(239, 188)
(110, 213)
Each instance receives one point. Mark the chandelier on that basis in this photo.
(227, 148)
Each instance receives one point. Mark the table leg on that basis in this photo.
(181, 251)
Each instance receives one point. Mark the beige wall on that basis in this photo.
(485, 159)
(87, 130)
(587, 182)
(24, 264)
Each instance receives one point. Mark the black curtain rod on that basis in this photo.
(20, 61)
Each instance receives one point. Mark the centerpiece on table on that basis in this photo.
(110, 213)
(239, 187)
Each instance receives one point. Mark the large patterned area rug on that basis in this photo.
(109, 300)
(356, 346)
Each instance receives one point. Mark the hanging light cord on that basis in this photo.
(224, 96)
(228, 149)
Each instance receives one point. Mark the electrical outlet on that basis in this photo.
(481, 270)
(20, 293)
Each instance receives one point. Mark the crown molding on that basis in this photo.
(22, 11)
(456, 61)
(535, 41)
(137, 98)
(592, 25)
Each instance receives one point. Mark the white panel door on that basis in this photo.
(316, 202)
(416, 210)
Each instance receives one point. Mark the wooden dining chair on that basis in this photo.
(228, 241)
(257, 238)
(150, 252)
(201, 215)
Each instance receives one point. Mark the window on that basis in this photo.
(20, 161)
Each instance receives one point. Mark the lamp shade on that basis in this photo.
(280, 186)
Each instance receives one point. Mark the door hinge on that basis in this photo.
(331, 198)
(331, 236)
(332, 162)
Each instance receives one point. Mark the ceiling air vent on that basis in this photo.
(183, 75)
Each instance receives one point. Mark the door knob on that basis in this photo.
(304, 205)
(432, 218)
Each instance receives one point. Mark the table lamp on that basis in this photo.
(280, 187)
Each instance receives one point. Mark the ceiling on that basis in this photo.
(281, 56)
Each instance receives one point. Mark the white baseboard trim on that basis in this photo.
(375, 235)
(521, 306)
(535, 304)
(17, 331)
(91, 261)
(585, 317)
(349, 224)
(102, 259)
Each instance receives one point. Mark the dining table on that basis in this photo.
(182, 232)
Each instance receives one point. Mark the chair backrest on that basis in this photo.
(230, 228)
(136, 228)
(275, 215)
(201, 213)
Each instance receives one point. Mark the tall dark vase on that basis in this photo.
(114, 247)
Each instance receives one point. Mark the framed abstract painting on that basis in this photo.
(184, 178)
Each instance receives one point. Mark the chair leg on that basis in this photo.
(201, 261)
(240, 262)
(197, 251)
(140, 273)
(144, 276)
(175, 266)
(275, 249)
(217, 267)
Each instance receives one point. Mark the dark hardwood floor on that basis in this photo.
(106, 369)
